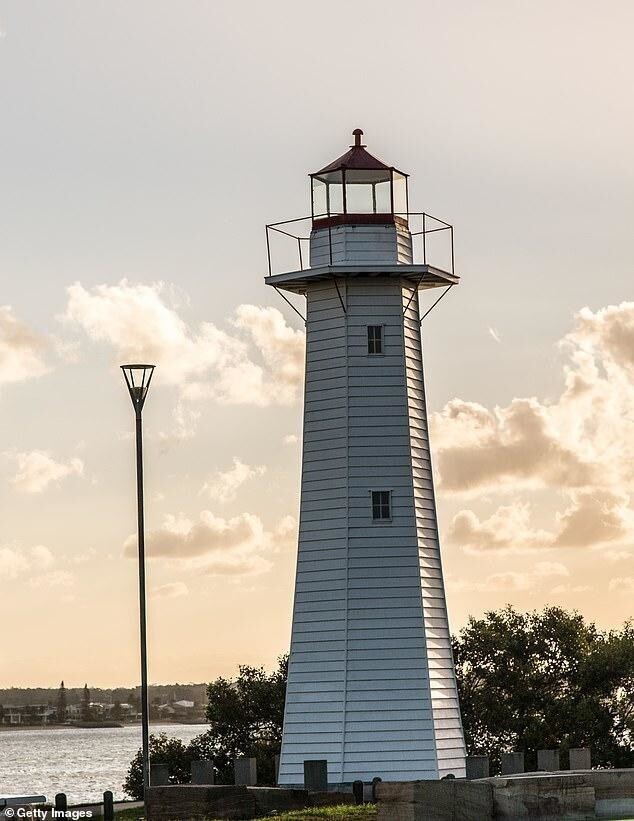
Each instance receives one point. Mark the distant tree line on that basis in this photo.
(526, 681)
(161, 693)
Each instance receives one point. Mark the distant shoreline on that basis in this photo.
(27, 727)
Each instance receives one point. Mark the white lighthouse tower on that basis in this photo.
(371, 681)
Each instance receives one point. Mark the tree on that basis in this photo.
(61, 704)
(85, 704)
(542, 680)
(245, 717)
(163, 750)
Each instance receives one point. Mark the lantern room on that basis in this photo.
(359, 189)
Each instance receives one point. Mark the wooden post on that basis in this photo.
(108, 806)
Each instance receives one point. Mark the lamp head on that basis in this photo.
(138, 378)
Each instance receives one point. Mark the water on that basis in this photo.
(80, 762)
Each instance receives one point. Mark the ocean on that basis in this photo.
(80, 762)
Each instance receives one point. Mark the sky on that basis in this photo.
(144, 147)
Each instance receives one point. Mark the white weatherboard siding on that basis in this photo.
(371, 685)
(371, 244)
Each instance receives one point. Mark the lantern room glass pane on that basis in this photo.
(335, 191)
(320, 205)
(383, 200)
(359, 198)
(400, 194)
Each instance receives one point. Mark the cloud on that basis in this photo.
(214, 545)
(42, 557)
(504, 449)
(12, 563)
(291, 439)
(508, 528)
(171, 590)
(617, 555)
(609, 331)
(623, 584)
(495, 583)
(223, 485)
(258, 361)
(577, 446)
(35, 563)
(593, 518)
(578, 441)
(495, 334)
(510, 581)
(548, 569)
(37, 470)
(21, 350)
(563, 589)
(56, 578)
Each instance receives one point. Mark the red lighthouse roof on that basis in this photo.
(356, 159)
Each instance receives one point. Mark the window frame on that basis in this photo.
(381, 504)
(381, 340)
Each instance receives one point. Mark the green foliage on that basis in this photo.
(245, 717)
(344, 812)
(163, 750)
(544, 680)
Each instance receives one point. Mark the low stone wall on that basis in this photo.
(582, 795)
(446, 800)
(191, 802)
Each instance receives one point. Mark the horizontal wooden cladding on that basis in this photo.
(333, 698)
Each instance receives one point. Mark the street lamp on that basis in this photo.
(138, 378)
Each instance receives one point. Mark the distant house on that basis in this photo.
(166, 710)
(183, 709)
(28, 714)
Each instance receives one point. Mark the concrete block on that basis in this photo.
(548, 760)
(580, 758)
(543, 796)
(159, 775)
(612, 784)
(179, 802)
(316, 775)
(477, 766)
(614, 808)
(571, 795)
(202, 772)
(445, 800)
(270, 800)
(245, 772)
(512, 763)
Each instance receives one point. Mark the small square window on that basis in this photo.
(381, 505)
(375, 339)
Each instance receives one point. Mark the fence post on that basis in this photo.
(108, 806)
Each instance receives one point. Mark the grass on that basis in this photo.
(367, 812)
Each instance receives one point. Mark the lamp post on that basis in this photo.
(138, 378)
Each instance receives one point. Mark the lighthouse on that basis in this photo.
(371, 680)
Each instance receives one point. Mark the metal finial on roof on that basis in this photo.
(357, 134)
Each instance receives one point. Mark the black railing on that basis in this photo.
(425, 251)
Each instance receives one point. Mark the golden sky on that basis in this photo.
(144, 148)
